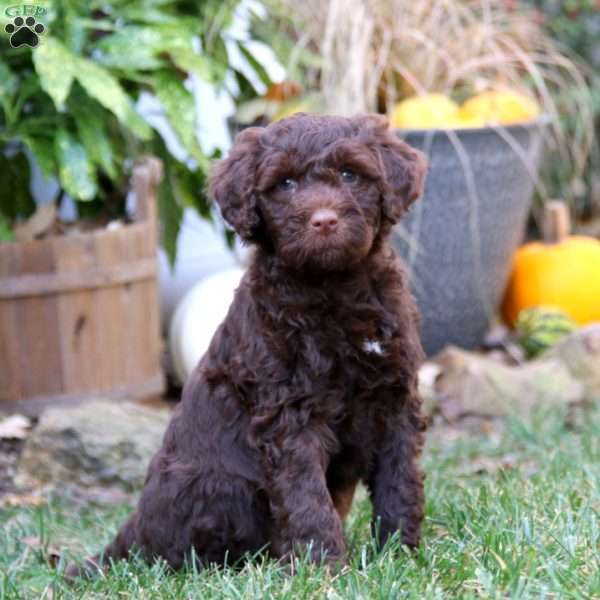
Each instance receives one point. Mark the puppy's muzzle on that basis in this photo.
(324, 221)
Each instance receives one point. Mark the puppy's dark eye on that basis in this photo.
(288, 184)
(349, 176)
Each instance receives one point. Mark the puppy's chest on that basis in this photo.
(353, 338)
(349, 345)
(339, 338)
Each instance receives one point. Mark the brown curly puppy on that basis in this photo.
(310, 384)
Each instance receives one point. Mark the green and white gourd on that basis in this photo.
(541, 327)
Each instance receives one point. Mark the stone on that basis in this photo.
(580, 353)
(428, 374)
(98, 443)
(475, 384)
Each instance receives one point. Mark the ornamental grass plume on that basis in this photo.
(377, 52)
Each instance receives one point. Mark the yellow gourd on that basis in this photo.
(501, 107)
(494, 107)
(424, 112)
(562, 272)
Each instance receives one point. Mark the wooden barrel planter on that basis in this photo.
(79, 315)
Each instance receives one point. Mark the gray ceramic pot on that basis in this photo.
(458, 240)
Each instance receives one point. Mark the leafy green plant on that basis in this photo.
(70, 102)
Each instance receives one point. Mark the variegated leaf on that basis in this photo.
(180, 107)
(56, 66)
(76, 171)
(101, 85)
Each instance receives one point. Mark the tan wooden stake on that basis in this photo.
(147, 175)
(557, 222)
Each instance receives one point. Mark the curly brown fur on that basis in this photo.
(310, 384)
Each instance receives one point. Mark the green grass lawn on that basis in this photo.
(512, 511)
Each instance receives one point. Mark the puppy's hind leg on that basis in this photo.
(230, 524)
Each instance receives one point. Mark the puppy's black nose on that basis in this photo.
(324, 220)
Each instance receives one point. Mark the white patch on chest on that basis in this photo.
(373, 347)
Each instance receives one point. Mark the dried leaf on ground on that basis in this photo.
(439, 531)
(489, 465)
(15, 427)
(19, 500)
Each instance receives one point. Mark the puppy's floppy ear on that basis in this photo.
(232, 185)
(404, 172)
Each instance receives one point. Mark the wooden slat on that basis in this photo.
(149, 295)
(44, 284)
(78, 325)
(37, 330)
(133, 299)
(115, 331)
(10, 376)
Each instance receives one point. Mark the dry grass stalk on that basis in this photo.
(376, 52)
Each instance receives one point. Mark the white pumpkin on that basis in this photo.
(197, 317)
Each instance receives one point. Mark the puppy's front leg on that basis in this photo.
(396, 483)
(300, 502)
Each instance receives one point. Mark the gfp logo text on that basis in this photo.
(25, 10)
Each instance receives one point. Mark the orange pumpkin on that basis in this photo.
(563, 272)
